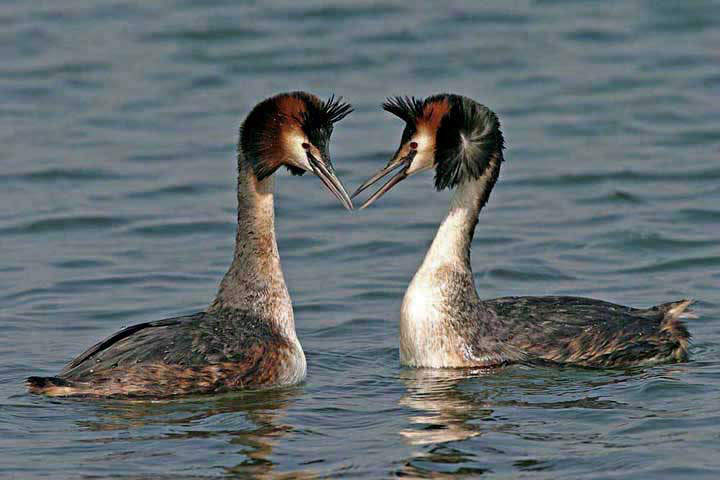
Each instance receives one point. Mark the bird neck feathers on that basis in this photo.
(255, 279)
(451, 246)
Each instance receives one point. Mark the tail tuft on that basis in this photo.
(677, 310)
(671, 323)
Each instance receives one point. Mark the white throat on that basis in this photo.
(426, 339)
(451, 246)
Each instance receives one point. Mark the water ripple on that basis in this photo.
(118, 127)
(685, 264)
(582, 179)
(174, 229)
(65, 224)
(62, 174)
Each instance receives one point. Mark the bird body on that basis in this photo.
(200, 353)
(443, 321)
(246, 338)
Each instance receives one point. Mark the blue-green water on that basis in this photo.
(117, 133)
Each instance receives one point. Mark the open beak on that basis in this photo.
(325, 171)
(394, 180)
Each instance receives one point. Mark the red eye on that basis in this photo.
(413, 145)
(306, 146)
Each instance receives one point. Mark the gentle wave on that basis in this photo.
(62, 174)
(174, 229)
(66, 224)
(584, 179)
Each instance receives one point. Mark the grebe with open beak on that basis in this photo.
(443, 322)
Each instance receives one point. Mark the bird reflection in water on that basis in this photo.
(444, 414)
(454, 408)
(250, 421)
(445, 409)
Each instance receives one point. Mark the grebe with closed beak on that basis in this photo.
(246, 338)
(443, 322)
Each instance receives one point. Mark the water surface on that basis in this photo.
(118, 123)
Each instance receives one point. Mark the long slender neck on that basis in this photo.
(434, 313)
(451, 246)
(255, 280)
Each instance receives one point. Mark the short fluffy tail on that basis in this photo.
(677, 310)
(53, 386)
(671, 323)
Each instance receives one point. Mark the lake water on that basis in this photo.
(118, 123)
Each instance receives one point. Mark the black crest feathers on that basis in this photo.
(260, 134)
(409, 109)
(468, 143)
(317, 121)
(327, 113)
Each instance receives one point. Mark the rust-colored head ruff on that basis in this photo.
(283, 129)
(464, 136)
(455, 135)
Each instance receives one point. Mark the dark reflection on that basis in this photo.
(255, 427)
(443, 415)
(443, 409)
(448, 415)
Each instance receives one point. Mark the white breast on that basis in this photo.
(418, 321)
(295, 367)
(425, 337)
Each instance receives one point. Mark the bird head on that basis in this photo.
(455, 135)
(293, 130)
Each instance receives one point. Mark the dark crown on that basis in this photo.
(260, 132)
(468, 142)
(468, 139)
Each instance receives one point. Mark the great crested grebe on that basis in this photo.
(247, 337)
(443, 322)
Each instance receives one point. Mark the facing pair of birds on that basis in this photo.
(246, 338)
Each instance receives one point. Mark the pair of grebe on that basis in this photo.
(246, 338)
